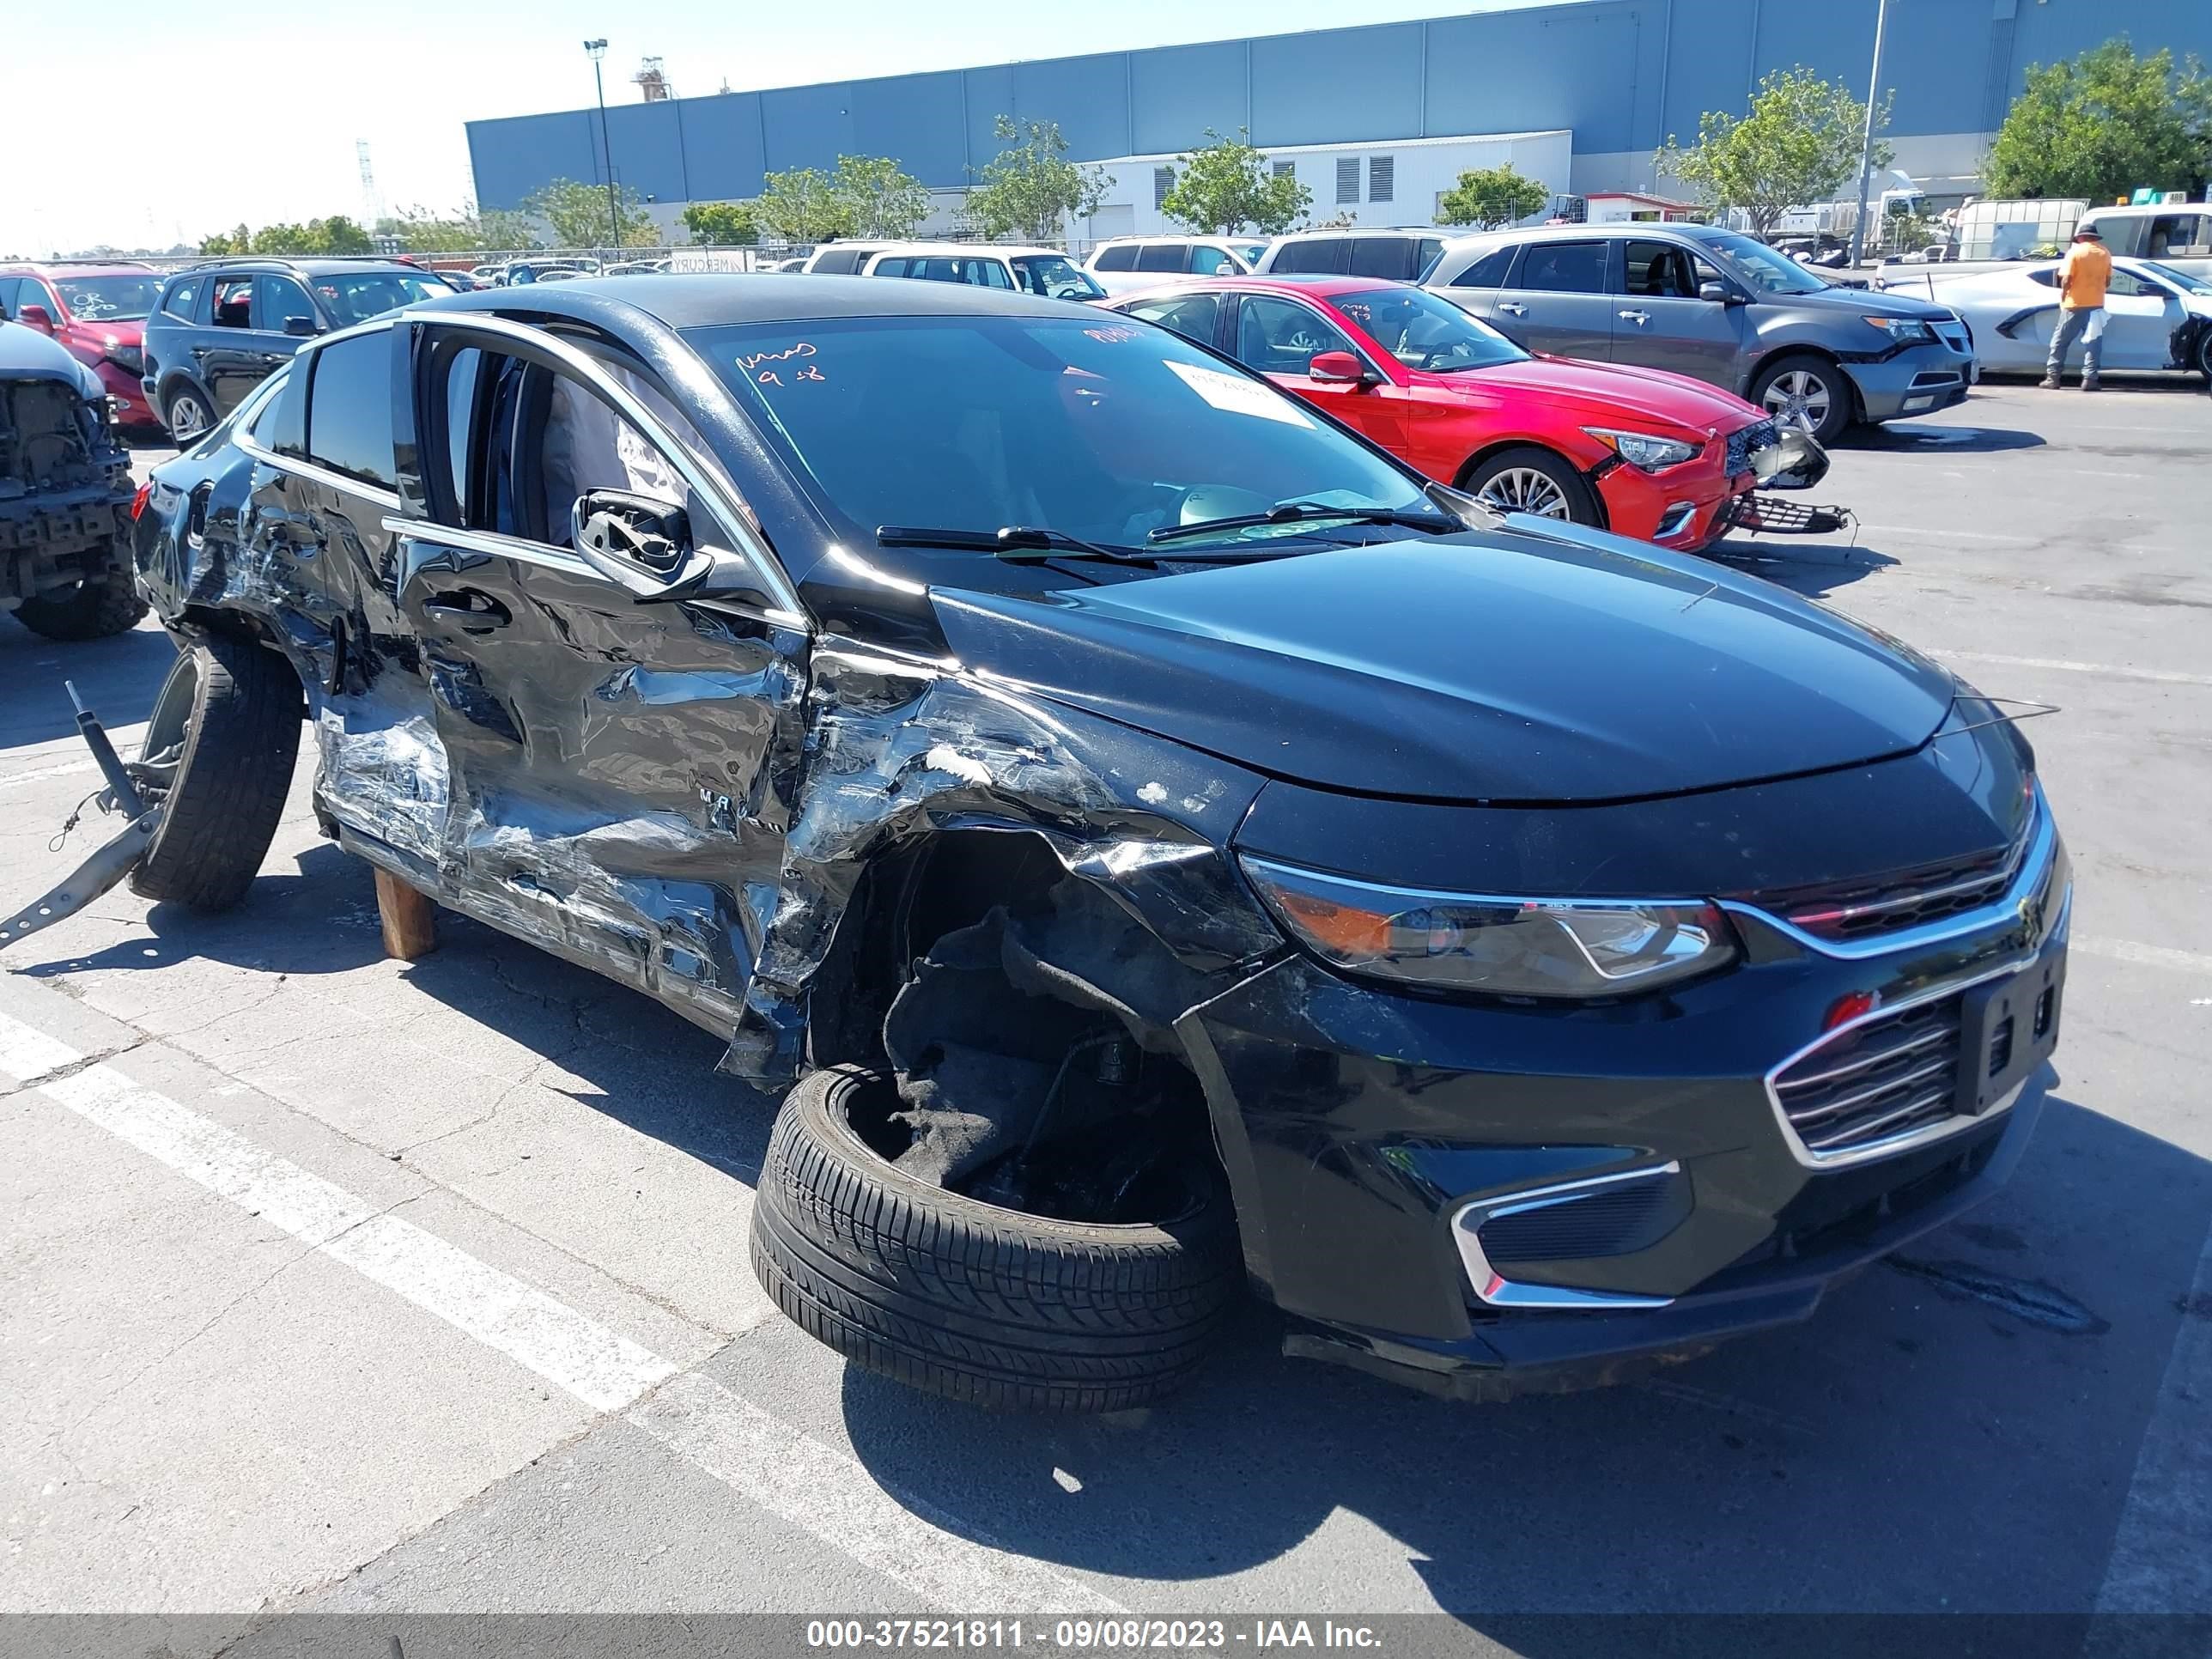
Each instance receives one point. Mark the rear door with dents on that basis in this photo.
(615, 765)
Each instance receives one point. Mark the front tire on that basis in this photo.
(227, 719)
(1534, 481)
(968, 1300)
(1805, 392)
(97, 608)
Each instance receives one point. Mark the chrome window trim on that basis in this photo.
(500, 546)
(387, 499)
(2042, 847)
(1493, 1290)
(1921, 1134)
(723, 495)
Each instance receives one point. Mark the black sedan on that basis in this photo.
(1163, 845)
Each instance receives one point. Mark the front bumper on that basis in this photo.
(1690, 506)
(1367, 1131)
(132, 407)
(1919, 381)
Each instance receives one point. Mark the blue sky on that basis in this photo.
(170, 121)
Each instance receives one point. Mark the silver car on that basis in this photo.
(1723, 307)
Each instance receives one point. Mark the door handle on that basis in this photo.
(1634, 316)
(1513, 307)
(471, 611)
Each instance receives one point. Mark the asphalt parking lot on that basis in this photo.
(336, 1284)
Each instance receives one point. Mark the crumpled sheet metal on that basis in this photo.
(899, 745)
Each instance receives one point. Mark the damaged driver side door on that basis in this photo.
(620, 759)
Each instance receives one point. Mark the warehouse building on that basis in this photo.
(1375, 120)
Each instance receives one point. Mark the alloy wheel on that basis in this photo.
(1524, 490)
(1799, 399)
(188, 417)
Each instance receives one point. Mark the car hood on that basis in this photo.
(1490, 666)
(27, 355)
(1612, 393)
(1866, 303)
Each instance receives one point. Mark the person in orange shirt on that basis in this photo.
(2083, 277)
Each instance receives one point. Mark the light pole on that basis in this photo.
(596, 50)
(1866, 144)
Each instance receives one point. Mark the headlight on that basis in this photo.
(1642, 450)
(1904, 331)
(128, 358)
(1504, 946)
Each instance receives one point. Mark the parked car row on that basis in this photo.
(1162, 841)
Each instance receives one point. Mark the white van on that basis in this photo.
(2176, 234)
(1123, 265)
(1045, 272)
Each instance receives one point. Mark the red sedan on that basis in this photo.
(1646, 453)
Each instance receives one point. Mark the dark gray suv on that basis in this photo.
(1721, 307)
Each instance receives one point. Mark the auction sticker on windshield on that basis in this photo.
(1239, 396)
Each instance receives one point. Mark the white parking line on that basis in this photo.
(2144, 955)
(2113, 671)
(2161, 1558)
(815, 1487)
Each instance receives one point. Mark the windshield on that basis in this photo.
(2180, 279)
(1102, 428)
(1422, 331)
(1057, 277)
(1764, 268)
(109, 299)
(355, 297)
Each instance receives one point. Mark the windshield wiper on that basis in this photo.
(1019, 543)
(1300, 512)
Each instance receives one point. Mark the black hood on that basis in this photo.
(1477, 667)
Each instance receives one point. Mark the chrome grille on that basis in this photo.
(1872, 906)
(1743, 445)
(1885, 1077)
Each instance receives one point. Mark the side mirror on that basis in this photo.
(644, 547)
(1719, 294)
(300, 327)
(36, 317)
(1339, 368)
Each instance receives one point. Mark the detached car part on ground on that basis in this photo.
(1170, 846)
(66, 496)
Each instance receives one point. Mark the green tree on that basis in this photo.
(1227, 185)
(239, 240)
(802, 204)
(880, 200)
(2105, 124)
(1798, 146)
(1490, 197)
(577, 214)
(728, 224)
(419, 230)
(1031, 188)
(503, 229)
(335, 235)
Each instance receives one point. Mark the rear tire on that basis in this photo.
(97, 608)
(1806, 391)
(969, 1300)
(232, 711)
(1527, 479)
(187, 412)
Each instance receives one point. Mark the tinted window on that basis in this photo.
(464, 378)
(1324, 254)
(8, 285)
(1192, 315)
(1382, 256)
(1057, 277)
(1488, 272)
(1564, 268)
(281, 425)
(1161, 256)
(2189, 234)
(1087, 424)
(1432, 250)
(183, 295)
(276, 298)
(1122, 256)
(356, 297)
(34, 294)
(1280, 336)
(349, 409)
(1658, 270)
(840, 261)
(1210, 262)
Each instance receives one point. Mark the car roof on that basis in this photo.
(709, 299)
(57, 267)
(1185, 236)
(308, 265)
(1322, 233)
(1315, 285)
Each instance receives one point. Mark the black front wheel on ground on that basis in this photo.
(95, 609)
(218, 758)
(1530, 480)
(1807, 392)
(969, 1300)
